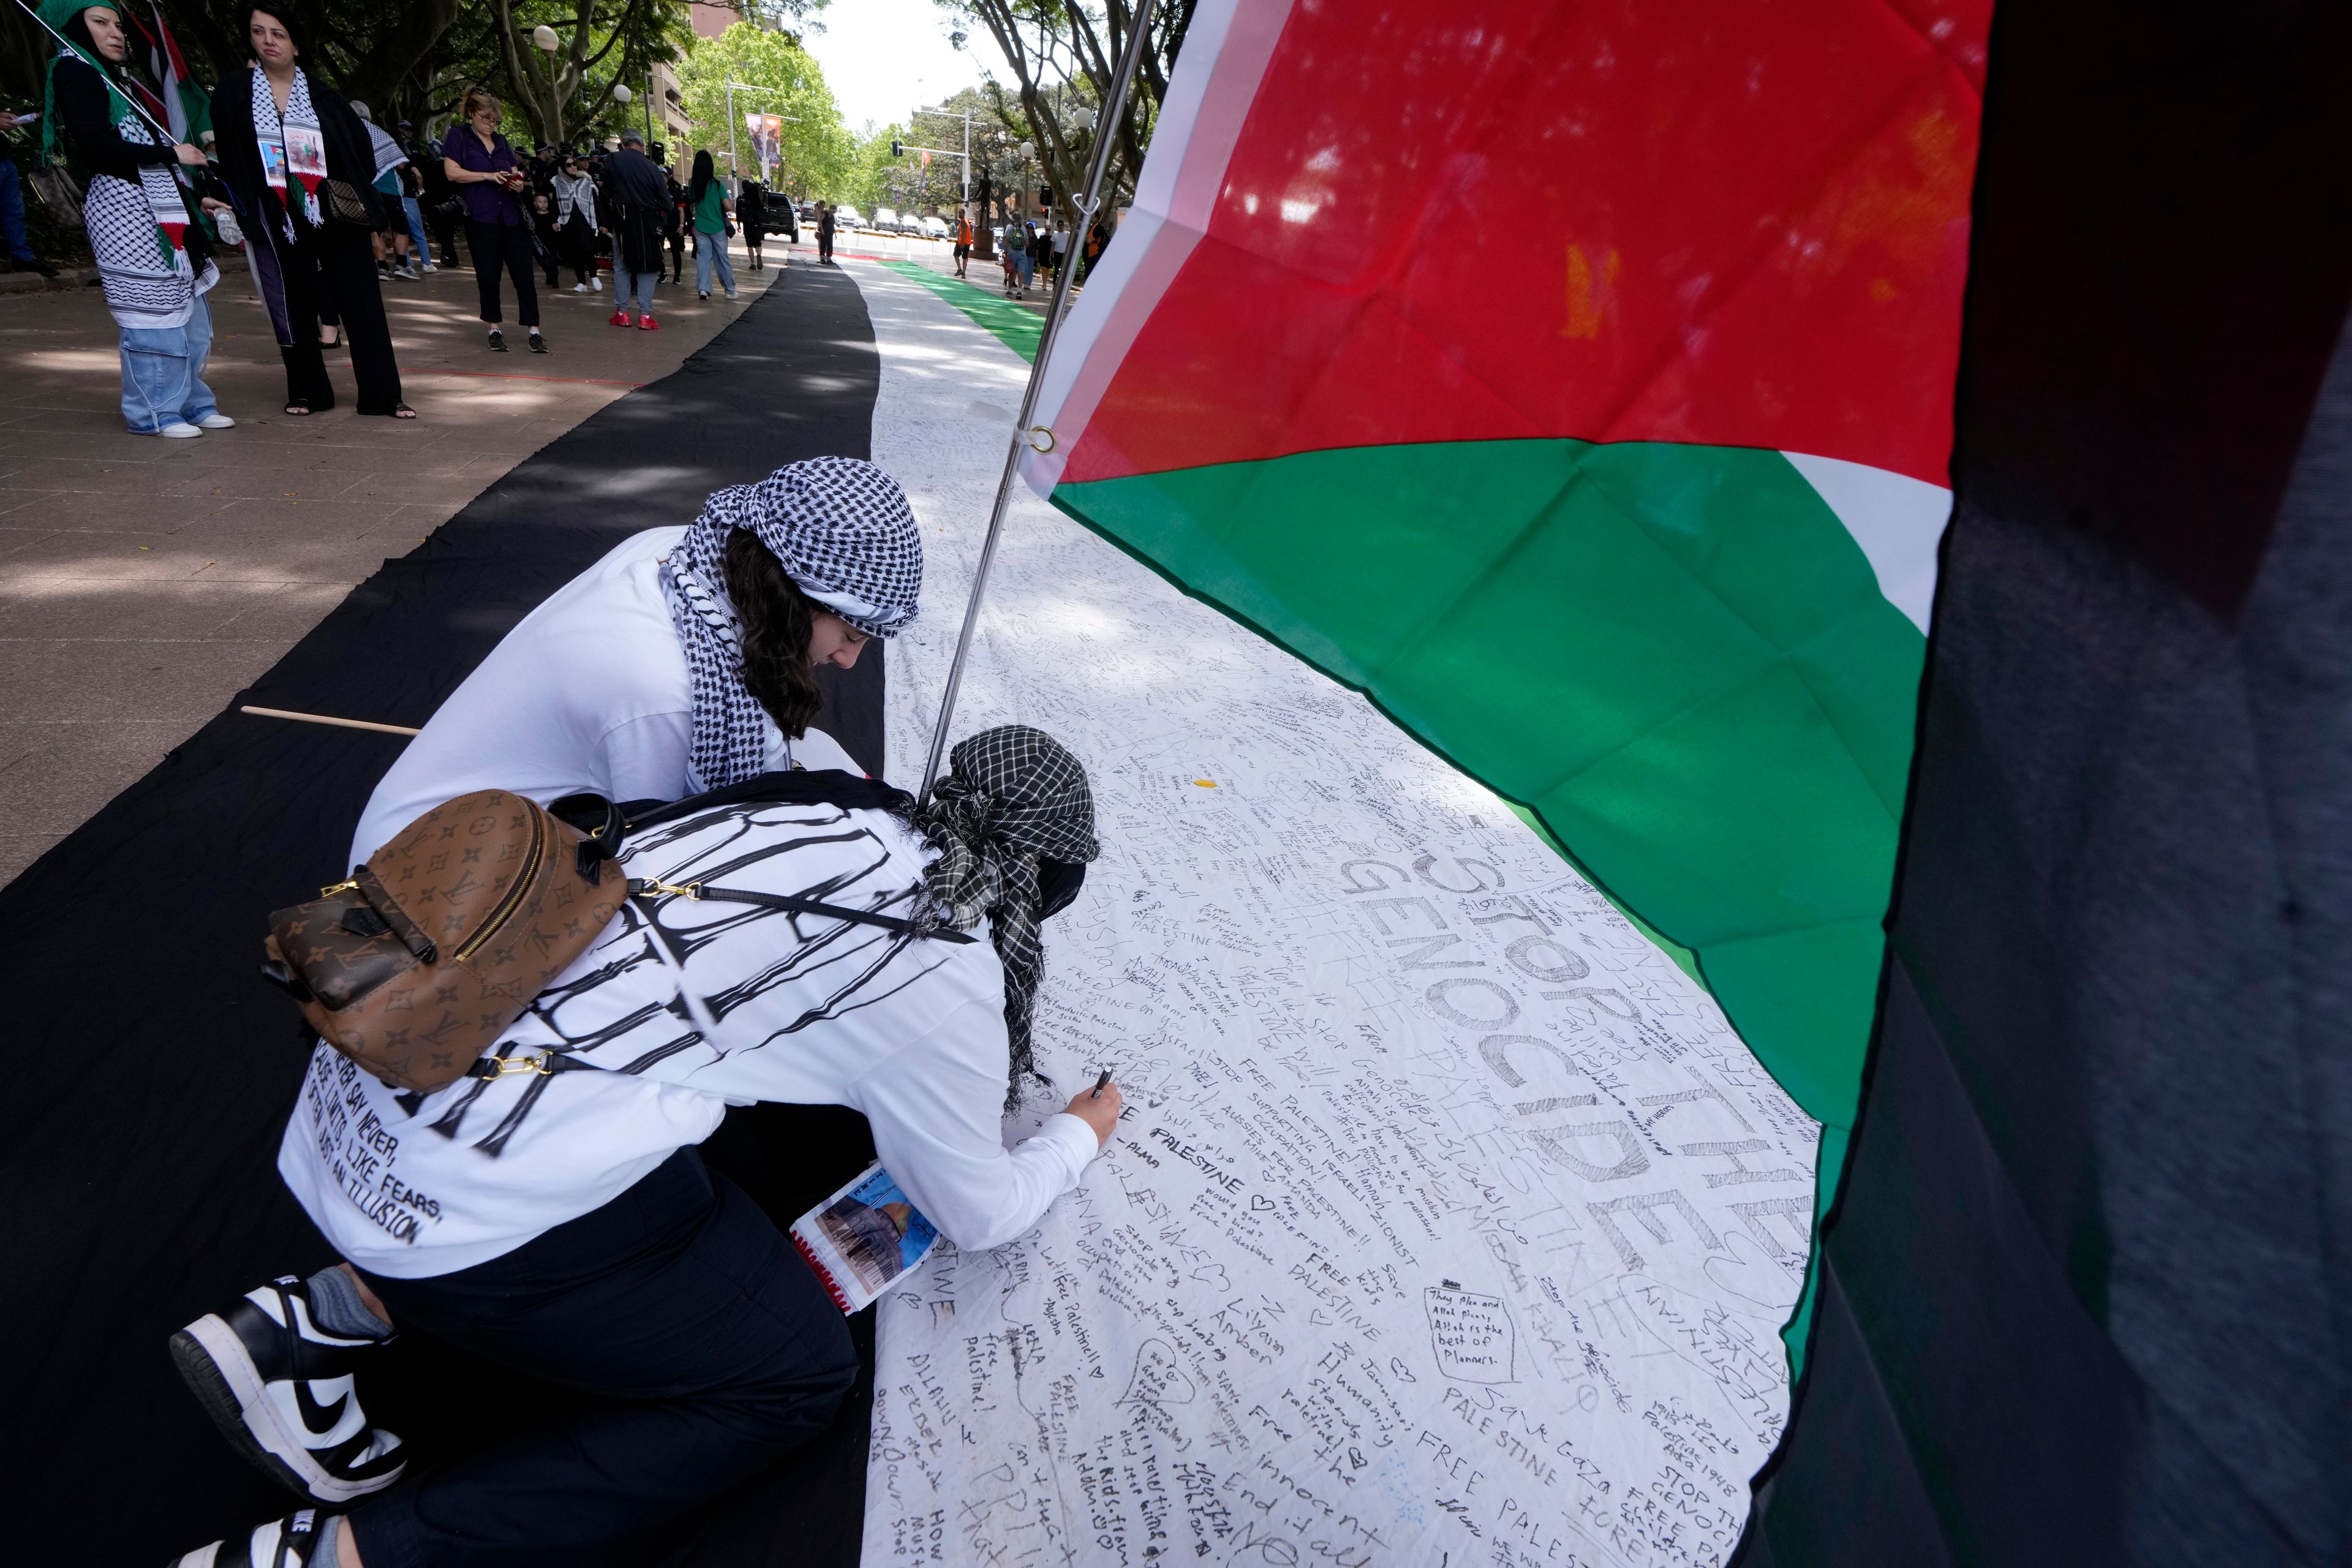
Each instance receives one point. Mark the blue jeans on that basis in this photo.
(12, 213)
(625, 283)
(417, 230)
(711, 250)
(163, 374)
(702, 1347)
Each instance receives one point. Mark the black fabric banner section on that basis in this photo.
(2086, 1293)
(153, 1071)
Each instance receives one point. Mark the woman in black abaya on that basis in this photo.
(283, 136)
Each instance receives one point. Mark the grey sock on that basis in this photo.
(323, 1544)
(336, 1307)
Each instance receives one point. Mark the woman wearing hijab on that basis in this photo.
(555, 1215)
(154, 264)
(302, 169)
(487, 172)
(572, 1229)
(711, 211)
(684, 660)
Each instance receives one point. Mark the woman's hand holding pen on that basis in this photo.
(1098, 1108)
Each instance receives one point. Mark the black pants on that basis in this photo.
(678, 255)
(824, 248)
(578, 247)
(444, 230)
(503, 245)
(706, 1347)
(331, 278)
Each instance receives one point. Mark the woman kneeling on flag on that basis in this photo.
(555, 1215)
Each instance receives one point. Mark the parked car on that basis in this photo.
(934, 228)
(846, 217)
(885, 221)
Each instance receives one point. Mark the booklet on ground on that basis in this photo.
(863, 1237)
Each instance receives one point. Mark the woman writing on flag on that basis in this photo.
(154, 264)
(302, 169)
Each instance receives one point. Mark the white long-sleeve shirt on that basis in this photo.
(794, 1008)
(589, 694)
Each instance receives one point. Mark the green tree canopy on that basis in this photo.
(783, 79)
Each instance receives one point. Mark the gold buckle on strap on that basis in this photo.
(510, 1066)
(683, 889)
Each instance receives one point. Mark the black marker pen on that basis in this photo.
(1100, 1084)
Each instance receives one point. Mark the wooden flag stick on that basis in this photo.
(323, 718)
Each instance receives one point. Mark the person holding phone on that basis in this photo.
(485, 171)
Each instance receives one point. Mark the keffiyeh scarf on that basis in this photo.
(1013, 798)
(300, 114)
(135, 236)
(843, 532)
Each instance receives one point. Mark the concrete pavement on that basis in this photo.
(145, 582)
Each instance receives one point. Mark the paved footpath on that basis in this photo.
(144, 582)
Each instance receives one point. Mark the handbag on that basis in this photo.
(421, 959)
(60, 193)
(417, 963)
(345, 204)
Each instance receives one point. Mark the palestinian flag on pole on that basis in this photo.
(185, 106)
(1575, 381)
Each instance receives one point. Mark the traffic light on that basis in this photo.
(898, 149)
(1045, 196)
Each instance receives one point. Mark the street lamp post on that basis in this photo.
(734, 162)
(964, 115)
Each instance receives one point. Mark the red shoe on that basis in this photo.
(620, 318)
(649, 324)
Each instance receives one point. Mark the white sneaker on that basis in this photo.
(290, 1543)
(217, 421)
(283, 1391)
(177, 432)
(579, 287)
(406, 274)
(430, 267)
(597, 284)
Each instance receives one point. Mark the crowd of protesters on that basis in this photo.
(332, 209)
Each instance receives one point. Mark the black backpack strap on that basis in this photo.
(644, 887)
(802, 787)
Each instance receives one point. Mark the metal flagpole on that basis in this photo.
(1023, 434)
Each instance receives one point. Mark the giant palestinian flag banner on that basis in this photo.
(1575, 380)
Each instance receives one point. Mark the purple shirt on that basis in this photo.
(485, 202)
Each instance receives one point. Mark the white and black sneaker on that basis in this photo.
(280, 1388)
(290, 1543)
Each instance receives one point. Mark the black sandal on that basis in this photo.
(298, 406)
(402, 411)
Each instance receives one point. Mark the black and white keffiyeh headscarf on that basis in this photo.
(1014, 799)
(844, 534)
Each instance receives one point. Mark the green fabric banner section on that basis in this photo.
(1676, 656)
(1015, 324)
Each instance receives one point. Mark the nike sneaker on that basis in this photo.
(281, 1389)
(290, 1543)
